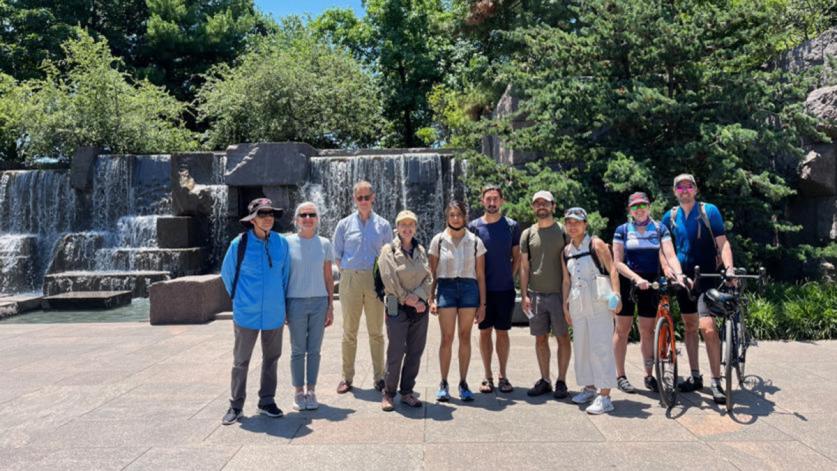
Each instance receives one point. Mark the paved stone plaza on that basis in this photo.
(132, 396)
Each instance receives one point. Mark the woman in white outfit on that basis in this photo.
(589, 307)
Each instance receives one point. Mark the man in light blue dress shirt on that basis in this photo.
(358, 239)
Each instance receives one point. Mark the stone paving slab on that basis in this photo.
(133, 396)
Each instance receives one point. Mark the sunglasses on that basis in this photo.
(684, 188)
(265, 214)
(637, 206)
(364, 197)
(307, 215)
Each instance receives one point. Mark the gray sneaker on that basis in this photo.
(231, 416)
(625, 386)
(311, 401)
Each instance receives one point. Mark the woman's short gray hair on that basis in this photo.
(316, 210)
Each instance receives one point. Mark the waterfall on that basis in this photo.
(412, 181)
(36, 208)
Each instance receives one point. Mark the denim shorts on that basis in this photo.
(457, 292)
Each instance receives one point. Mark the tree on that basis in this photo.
(291, 86)
(94, 103)
(184, 38)
(631, 93)
(405, 42)
(33, 30)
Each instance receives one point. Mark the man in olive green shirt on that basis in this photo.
(541, 276)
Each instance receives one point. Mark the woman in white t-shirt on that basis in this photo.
(457, 261)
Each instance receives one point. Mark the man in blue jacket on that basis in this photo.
(257, 284)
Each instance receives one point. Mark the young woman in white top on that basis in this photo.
(457, 261)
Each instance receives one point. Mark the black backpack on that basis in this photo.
(591, 253)
(376, 277)
(242, 248)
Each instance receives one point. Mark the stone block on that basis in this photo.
(84, 300)
(818, 218)
(205, 168)
(268, 164)
(76, 251)
(178, 232)
(137, 282)
(188, 300)
(818, 171)
(177, 262)
(822, 103)
(81, 167)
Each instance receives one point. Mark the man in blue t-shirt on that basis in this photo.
(501, 236)
(699, 239)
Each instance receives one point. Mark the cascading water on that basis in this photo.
(36, 208)
(219, 194)
(407, 181)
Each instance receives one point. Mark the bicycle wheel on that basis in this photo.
(743, 343)
(729, 358)
(665, 363)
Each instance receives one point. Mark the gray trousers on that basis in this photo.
(407, 333)
(245, 340)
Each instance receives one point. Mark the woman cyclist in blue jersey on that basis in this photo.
(639, 245)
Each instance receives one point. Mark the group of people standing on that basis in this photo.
(465, 276)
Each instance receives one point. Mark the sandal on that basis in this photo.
(487, 386)
(504, 385)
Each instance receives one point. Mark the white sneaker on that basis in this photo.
(311, 401)
(586, 395)
(299, 401)
(601, 405)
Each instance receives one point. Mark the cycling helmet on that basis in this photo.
(718, 303)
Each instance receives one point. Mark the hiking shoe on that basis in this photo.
(600, 405)
(311, 401)
(692, 383)
(718, 393)
(443, 395)
(651, 384)
(560, 390)
(386, 403)
(540, 388)
(379, 385)
(300, 401)
(344, 387)
(624, 385)
(465, 393)
(411, 400)
(270, 410)
(231, 416)
(586, 395)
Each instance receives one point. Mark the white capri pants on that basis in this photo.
(593, 350)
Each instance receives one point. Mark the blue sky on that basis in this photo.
(280, 8)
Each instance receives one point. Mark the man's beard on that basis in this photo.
(492, 209)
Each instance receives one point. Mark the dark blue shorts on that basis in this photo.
(457, 292)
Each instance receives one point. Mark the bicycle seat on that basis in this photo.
(720, 303)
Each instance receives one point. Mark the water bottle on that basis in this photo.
(613, 301)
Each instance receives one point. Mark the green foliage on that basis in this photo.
(631, 93)
(34, 30)
(405, 42)
(291, 86)
(170, 42)
(184, 38)
(11, 113)
(794, 312)
(94, 103)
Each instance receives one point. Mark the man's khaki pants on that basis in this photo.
(357, 294)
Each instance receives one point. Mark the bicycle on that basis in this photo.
(665, 347)
(726, 302)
